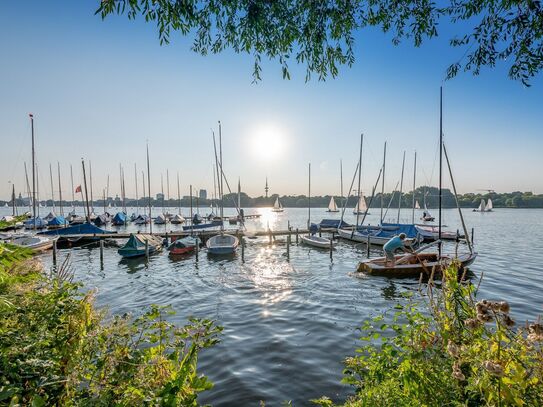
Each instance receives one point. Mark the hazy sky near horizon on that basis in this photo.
(99, 90)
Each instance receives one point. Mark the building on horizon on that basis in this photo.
(160, 196)
(202, 194)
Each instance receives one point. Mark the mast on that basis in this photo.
(107, 187)
(359, 177)
(136, 182)
(28, 190)
(104, 193)
(309, 199)
(73, 191)
(414, 184)
(168, 185)
(143, 186)
(59, 191)
(13, 199)
(214, 185)
(86, 190)
(162, 191)
(178, 195)
(341, 179)
(191, 215)
(149, 189)
(221, 173)
(383, 181)
(92, 199)
(401, 190)
(239, 193)
(33, 172)
(38, 190)
(52, 189)
(440, 160)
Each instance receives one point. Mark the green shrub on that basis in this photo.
(57, 349)
(462, 353)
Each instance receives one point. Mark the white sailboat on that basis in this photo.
(332, 207)
(426, 215)
(489, 206)
(361, 207)
(481, 207)
(312, 239)
(277, 207)
(417, 205)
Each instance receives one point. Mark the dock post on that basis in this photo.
(242, 249)
(197, 247)
(54, 252)
(288, 247)
(167, 240)
(472, 232)
(368, 244)
(332, 247)
(147, 249)
(101, 254)
(270, 235)
(296, 235)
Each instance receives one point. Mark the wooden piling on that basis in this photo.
(146, 249)
(197, 247)
(242, 249)
(288, 247)
(54, 252)
(332, 247)
(472, 233)
(296, 235)
(368, 245)
(101, 254)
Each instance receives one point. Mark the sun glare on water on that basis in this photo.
(267, 142)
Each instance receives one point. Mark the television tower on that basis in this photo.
(266, 188)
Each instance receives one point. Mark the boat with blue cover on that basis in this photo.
(119, 219)
(57, 222)
(35, 223)
(136, 245)
(379, 235)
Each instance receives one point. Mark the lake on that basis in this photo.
(289, 324)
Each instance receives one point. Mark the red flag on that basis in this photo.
(78, 189)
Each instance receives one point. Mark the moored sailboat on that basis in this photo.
(139, 245)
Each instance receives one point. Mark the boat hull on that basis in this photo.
(222, 244)
(316, 241)
(423, 263)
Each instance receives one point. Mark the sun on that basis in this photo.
(267, 142)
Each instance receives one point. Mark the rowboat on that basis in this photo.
(135, 247)
(412, 265)
(34, 242)
(317, 241)
(429, 232)
(380, 235)
(184, 245)
(222, 244)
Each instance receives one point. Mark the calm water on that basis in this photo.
(288, 325)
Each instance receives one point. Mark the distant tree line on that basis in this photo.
(424, 195)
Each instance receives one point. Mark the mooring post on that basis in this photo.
(472, 232)
(167, 241)
(270, 235)
(296, 235)
(101, 254)
(368, 244)
(197, 247)
(288, 247)
(54, 252)
(147, 249)
(242, 249)
(332, 247)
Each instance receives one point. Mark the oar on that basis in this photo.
(416, 252)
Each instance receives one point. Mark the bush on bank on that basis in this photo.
(463, 353)
(57, 349)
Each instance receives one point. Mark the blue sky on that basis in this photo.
(101, 89)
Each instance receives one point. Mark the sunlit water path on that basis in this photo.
(289, 324)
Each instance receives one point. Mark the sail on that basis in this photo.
(332, 207)
(277, 204)
(482, 206)
(417, 205)
(361, 205)
(489, 206)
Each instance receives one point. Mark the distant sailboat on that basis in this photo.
(489, 206)
(417, 205)
(361, 207)
(277, 207)
(426, 215)
(485, 207)
(332, 207)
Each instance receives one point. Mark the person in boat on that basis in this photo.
(397, 242)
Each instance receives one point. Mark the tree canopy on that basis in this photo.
(320, 33)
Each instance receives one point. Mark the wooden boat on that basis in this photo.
(332, 207)
(35, 242)
(135, 247)
(183, 246)
(277, 207)
(222, 244)
(412, 265)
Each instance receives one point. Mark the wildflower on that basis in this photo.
(493, 368)
(507, 320)
(472, 323)
(453, 349)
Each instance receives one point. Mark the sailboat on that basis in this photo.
(426, 215)
(417, 205)
(312, 239)
(332, 207)
(361, 207)
(135, 247)
(277, 207)
(223, 243)
(484, 207)
(416, 263)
